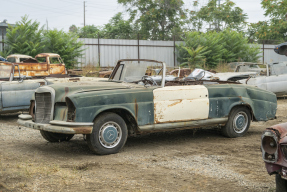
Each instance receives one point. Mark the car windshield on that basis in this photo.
(41, 59)
(12, 59)
(134, 71)
(278, 68)
(54, 60)
(5, 71)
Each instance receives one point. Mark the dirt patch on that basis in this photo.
(170, 161)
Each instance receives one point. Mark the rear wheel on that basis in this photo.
(109, 134)
(56, 137)
(238, 122)
(281, 184)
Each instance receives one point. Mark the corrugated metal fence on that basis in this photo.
(106, 52)
(269, 56)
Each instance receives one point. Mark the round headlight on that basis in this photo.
(269, 145)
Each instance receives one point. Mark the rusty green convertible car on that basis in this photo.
(131, 103)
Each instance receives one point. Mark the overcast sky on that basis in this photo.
(61, 14)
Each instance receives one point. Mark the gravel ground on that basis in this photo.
(170, 161)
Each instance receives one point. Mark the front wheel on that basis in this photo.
(56, 137)
(238, 122)
(109, 134)
(281, 184)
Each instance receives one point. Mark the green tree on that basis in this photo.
(274, 30)
(28, 38)
(195, 56)
(216, 17)
(212, 41)
(156, 19)
(118, 28)
(64, 44)
(237, 48)
(73, 29)
(224, 46)
(25, 37)
(89, 31)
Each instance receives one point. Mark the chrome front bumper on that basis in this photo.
(56, 126)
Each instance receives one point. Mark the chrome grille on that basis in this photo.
(284, 150)
(43, 108)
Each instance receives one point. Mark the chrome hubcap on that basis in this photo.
(240, 122)
(110, 134)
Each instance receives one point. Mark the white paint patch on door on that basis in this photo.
(180, 103)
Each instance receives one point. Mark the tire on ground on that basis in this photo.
(238, 122)
(56, 137)
(109, 134)
(281, 184)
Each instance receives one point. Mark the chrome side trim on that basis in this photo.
(187, 124)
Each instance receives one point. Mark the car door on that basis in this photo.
(56, 66)
(180, 103)
(277, 84)
(18, 94)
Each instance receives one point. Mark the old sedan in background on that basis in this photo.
(132, 103)
(273, 78)
(17, 90)
(274, 154)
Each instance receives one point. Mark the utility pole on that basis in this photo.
(218, 22)
(47, 24)
(84, 13)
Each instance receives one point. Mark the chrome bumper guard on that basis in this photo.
(56, 126)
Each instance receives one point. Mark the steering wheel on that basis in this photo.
(147, 80)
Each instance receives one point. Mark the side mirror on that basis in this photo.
(21, 79)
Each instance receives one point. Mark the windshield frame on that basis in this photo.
(11, 77)
(119, 63)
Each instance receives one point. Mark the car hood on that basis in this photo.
(64, 90)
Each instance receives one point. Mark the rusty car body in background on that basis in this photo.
(131, 103)
(16, 91)
(18, 58)
(44, 64)
(274, 153)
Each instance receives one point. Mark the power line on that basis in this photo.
(40, 6)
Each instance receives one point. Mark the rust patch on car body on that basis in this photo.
(66, 93)
(175, 103)
(83, 130)
(32, 67)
